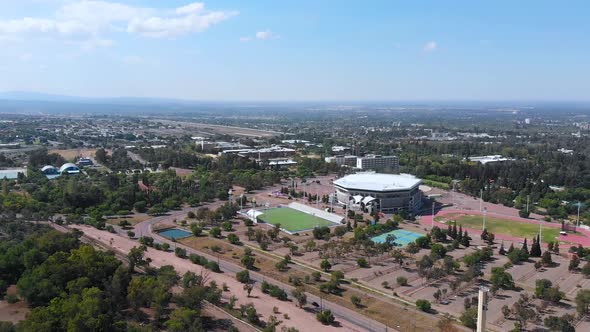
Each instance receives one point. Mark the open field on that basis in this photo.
(72, 154)
(293, 220)
(502, 226)
(211, 129)
(131, 219)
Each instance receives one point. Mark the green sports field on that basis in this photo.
(503, 226)
(292, 220)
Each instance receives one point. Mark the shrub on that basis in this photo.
(180, 252)
(356, 301)
(11, 298)
(318, 276)
(243, 276)
(362, 262)
(248, 261)
(233, 239)
(325, 265)
(424, 305)
(215, 232)
(130, 234)
(402, 281)
(325, 317)
(213, 266)
(274, 291)
(227, 226)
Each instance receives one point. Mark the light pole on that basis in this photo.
(433, 201)
(480, 199)
(485, 210)
(527, 204)
(578, 219)
(241, 205)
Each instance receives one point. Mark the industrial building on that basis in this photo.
(387, 193)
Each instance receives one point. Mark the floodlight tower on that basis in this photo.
(482, 308)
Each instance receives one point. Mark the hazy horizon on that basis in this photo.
(263, 50)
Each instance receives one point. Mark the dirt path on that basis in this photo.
(264, 304)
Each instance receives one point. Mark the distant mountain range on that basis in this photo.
(38, 96)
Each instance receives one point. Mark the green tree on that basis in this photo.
(423, 305)
(185, 320)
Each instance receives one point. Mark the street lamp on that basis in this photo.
(485, 210)
(578, 219)
(433, 202)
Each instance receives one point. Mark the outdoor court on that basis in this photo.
(402, 237)
(292, 220)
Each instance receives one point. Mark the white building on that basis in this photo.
(342, 160)
(378, 163)
(489, 159)
(382, 192)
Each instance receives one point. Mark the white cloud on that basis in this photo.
(192, 8)
(91, 19)
(158, 27)
(264, 35)
(245, 39)
(430, 46)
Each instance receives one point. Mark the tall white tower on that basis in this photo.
(482, 308)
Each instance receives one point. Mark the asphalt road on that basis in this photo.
(341, 313)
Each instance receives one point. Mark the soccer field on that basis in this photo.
(507, 227)
(292, 220)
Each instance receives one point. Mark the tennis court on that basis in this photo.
(293, 221)
(402, 237)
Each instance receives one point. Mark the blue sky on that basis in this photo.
(298, 50)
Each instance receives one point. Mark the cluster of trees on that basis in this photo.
(536, 167)
(71, 286)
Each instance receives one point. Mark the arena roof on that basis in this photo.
(378, 182)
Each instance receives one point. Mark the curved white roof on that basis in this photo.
(68, 165)
(47, 168)
(378, 182)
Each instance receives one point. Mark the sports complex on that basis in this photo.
(296, 217)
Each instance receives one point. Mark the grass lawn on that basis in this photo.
(504, 226)
(293, 220)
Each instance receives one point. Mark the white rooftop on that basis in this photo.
(378, 181)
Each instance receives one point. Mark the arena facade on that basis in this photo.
(388, 193)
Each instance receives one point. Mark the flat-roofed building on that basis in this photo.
(378, 163)
(342, 160)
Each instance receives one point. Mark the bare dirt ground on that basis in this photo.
(217, 129)
(264, 304)
(13, 312)
(72, 154)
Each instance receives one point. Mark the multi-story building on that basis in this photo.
(378, 163)
(342, 160)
